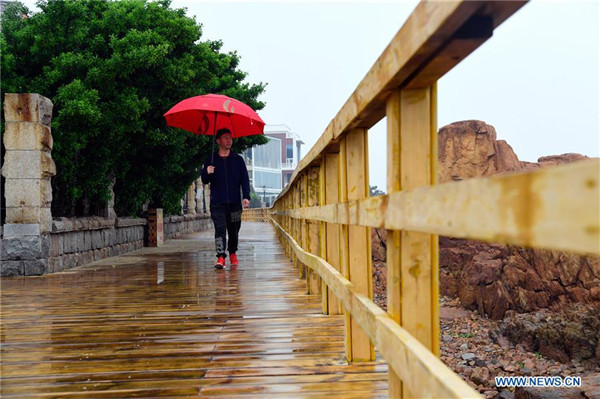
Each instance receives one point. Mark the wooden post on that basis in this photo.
(332, 231)
(412, 258)
(323, 236)
(313, 281)
(301, 226)
(359, 270)
(155, 227)
(343, 242)
(394, 308)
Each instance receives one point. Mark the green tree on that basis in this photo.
(112, 69)
(374, 191)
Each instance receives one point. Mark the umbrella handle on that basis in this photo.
(212, 151)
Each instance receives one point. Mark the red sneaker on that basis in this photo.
(220, 263)
(233, 260)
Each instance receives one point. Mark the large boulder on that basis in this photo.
(496, 278)
(469, 149)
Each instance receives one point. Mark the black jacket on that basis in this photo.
(230, 174)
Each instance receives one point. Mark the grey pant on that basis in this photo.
(227, 219)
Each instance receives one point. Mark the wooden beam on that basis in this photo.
(555, 208)
(422, 372)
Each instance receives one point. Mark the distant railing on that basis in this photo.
(256, 215)
(290, 163)
(324, 215)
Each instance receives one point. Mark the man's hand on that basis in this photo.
(210, 169)
(246, 203)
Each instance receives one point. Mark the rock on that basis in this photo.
(572, 333)
(547, 393)
(480, 375)
(505, 394)
(496, 278)
(468, 356)
(464, 347)
(553, 160)
(469, 149)
(447, 338)
(526, 371)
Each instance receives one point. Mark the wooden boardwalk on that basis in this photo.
(162, 322)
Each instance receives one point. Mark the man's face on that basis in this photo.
(225, 141)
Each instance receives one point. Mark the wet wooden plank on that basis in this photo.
(165, 323)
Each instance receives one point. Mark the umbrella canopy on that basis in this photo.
(208, 113)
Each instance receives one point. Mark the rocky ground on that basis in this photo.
(474, 347)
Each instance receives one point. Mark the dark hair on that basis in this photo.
(221, 132)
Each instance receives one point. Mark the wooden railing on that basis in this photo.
(256, 214)
(324, 215)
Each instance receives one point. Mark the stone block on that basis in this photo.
(79, 237)
(69, 261)
(55, 264)
(57, 245)
(45, 193)
(78, 259)
(29, 247)
(71, 242)
(107, 237)
(96, 239)
(27, 136)
(46, 245)
(87, 257)
(11, 268)
(23, 193)
(66, 243)
(30, 215)
(27, 107)
(28, 164)
(35, 267)
(21, 229)
(87, 240)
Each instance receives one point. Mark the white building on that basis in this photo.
(291, 149)
(270, 166)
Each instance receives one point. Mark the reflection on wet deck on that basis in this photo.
(163, 322)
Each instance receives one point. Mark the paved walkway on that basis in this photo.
(162, 322)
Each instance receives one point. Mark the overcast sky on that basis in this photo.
(536, 80)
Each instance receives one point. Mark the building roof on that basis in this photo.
(283, 128)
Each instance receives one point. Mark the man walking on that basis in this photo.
(226, 172)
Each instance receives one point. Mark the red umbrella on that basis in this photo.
(208, 113)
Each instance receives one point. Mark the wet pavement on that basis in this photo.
(163, 322)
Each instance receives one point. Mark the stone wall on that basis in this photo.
(176, 226)
(31, 241)
(75, 242)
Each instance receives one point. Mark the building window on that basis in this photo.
(289, 150)
(268, 155)
(270, 180)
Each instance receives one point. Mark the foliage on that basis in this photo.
(112, 69)
(374, 191)
(255, 201)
